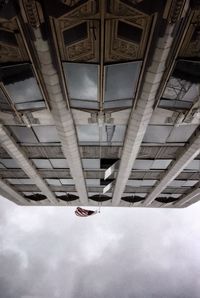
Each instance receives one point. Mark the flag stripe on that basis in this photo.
(83, 212)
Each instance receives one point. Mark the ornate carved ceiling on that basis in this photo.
(79, 35)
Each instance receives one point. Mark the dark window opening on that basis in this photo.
(105, 163)
(129, 32)
(106, 182)
(8, 37)
(187, 70)
(75, 34)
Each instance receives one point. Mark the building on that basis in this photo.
(100, 102)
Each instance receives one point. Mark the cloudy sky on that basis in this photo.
(121, 253)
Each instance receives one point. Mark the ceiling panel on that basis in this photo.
(91, 163)
(23, 134)
(82, 80)
(46, 134)
(9, 163)
(181, 133)
(157, 134)
(59, 163)
(142, 164)
(42, 163)
(126, 76)
(161, 163)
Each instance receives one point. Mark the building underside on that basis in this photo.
(100, 102)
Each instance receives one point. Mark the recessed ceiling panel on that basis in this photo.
(23, 134)
(42, 163)
(116, 104)
(67, 181)
(84, 104)
(118, 135)
(174, 104)
(75, 34)
(4, 105)
(177, 183)
(10, 163)
(104, 135)
(82, 80)
(121, 80)
(194, 165)
(181, 133)
(31, 105)
(22, 86)
(88, 133)
(161, 164)
(190, 183)
(92, 182)
(129, 32)
(59, 163)
(134, 183)
(140, 183)
(157, 134)
(142, 164)
(20, 181)
(46, 134)
(91, 163)
(54, 182)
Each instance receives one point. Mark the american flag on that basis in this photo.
(83, 212)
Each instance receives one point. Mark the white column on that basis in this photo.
(190, 198)
(191, 151)
(9, 193)
(140, 117)
(14, 150)
(62, 116)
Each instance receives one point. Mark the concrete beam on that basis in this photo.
(191, 198)
(191, 151)
(9, 193)
(140, 117)
(14, 150)
(62, 115)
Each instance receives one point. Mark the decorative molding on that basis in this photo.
(121, 49)
(176, 10)
(83, 50)
(32, 13)
(118, 48)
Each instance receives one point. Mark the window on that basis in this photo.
(121, 80)
(22, 87)
(82, 84)
(129, 32)
(75, 34)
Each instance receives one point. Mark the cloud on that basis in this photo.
(123, 252)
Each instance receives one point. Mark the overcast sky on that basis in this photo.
(121, 253)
